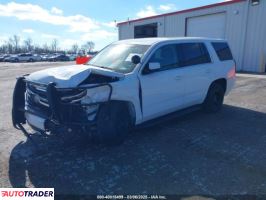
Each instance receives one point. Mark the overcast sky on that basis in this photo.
(77, 21)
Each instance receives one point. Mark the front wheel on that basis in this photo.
(113, 124)
(214, 99)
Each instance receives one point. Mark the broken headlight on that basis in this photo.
(73, 96)
(99, 94)
(87, 96)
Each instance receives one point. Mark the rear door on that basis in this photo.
(197, 66)
(162, 89)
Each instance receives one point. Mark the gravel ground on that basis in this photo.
(217, 154)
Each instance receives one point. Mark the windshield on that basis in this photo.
(117, 57)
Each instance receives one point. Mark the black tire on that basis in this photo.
(214, 99)
(31, 60)
(16, 60)
(113, 124)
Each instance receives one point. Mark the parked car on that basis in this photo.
(3, 57)
(143, 80)
(60, 57)
(72, 57)
(11, 58)
(24, 57)
(35, 58)
(45, 57)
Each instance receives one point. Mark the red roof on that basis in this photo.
(183, 11)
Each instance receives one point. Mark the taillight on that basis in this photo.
(232, 72)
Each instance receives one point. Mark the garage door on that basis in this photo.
(206, 26)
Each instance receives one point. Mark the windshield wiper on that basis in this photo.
(100, 66)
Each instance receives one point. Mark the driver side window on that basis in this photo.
(165, 56)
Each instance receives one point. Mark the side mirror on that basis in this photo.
(154, 66)
(135, 59)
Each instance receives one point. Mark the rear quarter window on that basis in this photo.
(222, 50)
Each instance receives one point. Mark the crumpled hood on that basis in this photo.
(69, 76)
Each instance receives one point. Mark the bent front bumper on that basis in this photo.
(36, 121)
(56, 114)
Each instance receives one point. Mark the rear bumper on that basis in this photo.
(230, 84)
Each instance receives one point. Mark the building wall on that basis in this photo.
(254, 58)
(245, 30)
(126, 31)
(234, 24)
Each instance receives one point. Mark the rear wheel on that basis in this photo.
(215, 97)
(113, 124)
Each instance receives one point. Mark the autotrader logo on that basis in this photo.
(27, 193)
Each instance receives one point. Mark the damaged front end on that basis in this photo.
(49, 109)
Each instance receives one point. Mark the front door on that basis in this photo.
(162, 89)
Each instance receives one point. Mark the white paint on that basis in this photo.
(162, 92)
(69, 76)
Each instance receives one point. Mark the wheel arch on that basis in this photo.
(222, 82)
(127, 105)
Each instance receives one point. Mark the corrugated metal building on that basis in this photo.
(241, 22)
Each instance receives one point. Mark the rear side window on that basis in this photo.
(223, 51)
(192, 54)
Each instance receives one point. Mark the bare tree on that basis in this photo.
(4, 48)
(15, 42)
(45, 48)
(88, 46)
(37, 48)
(74, 48)
(28, 44)
(9, 44)
(54, 45)
(12, 45)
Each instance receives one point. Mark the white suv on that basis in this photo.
(126, 84)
